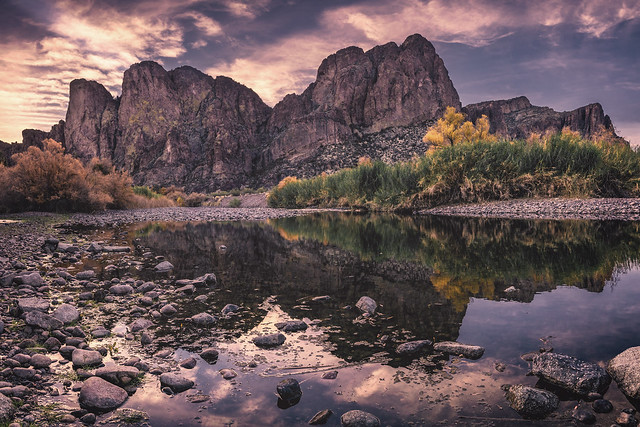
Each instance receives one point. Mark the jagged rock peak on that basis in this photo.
(518, 118)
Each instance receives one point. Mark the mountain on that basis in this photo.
(183, 127)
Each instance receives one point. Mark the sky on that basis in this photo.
(559, 53)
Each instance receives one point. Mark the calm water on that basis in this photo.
(577, 289)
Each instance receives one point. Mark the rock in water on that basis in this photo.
(98, 395)
(625, 370)
(357, 418)
(412, 347)
(531, 402)
(210, 355)
(574, 375)
(118, 375)
(367, 305)
(292, 326)
(271, 340)
(289, 391)
(320, 417)
(175, 382)
(456, 348)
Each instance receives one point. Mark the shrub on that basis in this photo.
(235, 203)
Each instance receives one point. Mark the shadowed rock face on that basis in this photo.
(389, 85)
(183, 127)
(517, 118)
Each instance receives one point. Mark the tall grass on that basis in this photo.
(559, 165)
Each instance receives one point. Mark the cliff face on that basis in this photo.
(185, 128)
(362, 92)
(517, 118)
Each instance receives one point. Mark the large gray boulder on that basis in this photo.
(98, 395)
(42, 320)
(33, 304)
(531, 402)
(625, 370)
(66, 313)
(574, 375)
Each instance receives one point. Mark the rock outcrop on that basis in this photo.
(358, 92)
(185, 128)
(517, 118)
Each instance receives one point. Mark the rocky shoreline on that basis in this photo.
(619, 209)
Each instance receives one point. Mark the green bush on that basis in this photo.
(562, 164)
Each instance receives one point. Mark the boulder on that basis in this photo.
(175, 382)
(357, 418)
(29, 279)
(209, 355)
(168, 310)
(33, 304)
(531, 402)
(163, 267)
(121, 289)
(229, 308)
(140, 324)
(40, 361)
(66, 313)
(7, 409)
(81, 357)
(625, 370)
(574, 375)
(86, 275)
(98, 395)
(42, 320)
(118, 375)
(458, 349)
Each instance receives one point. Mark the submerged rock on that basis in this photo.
(625, 370)
(357, 418)
(271, 340)
(367, 305)
(456, 348)
(574, 375)
(412, 347)
(98, 395)
(531, 402)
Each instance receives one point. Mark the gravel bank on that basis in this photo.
(183, 214)
(556, 208)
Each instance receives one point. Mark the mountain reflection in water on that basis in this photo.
(422, 271)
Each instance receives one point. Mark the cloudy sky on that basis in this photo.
(559, 53)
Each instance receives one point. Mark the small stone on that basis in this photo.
(331, 375)
(24, 373)
(292, 326)
(321, 417)
(100, 332)
(121, 289)
(140, 324)
(86, 275)
(88, 418)
(145, 338)
(228, 374)
(531, 402)
(451, 347)
(40, 361)
(229, 309)
(626, 419)
(357, 418)
(118, 375)
(68, 419)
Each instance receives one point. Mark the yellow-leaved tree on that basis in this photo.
(451, 129)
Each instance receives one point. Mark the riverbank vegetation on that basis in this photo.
(474, 169)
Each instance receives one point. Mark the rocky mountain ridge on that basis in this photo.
(183, 127)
